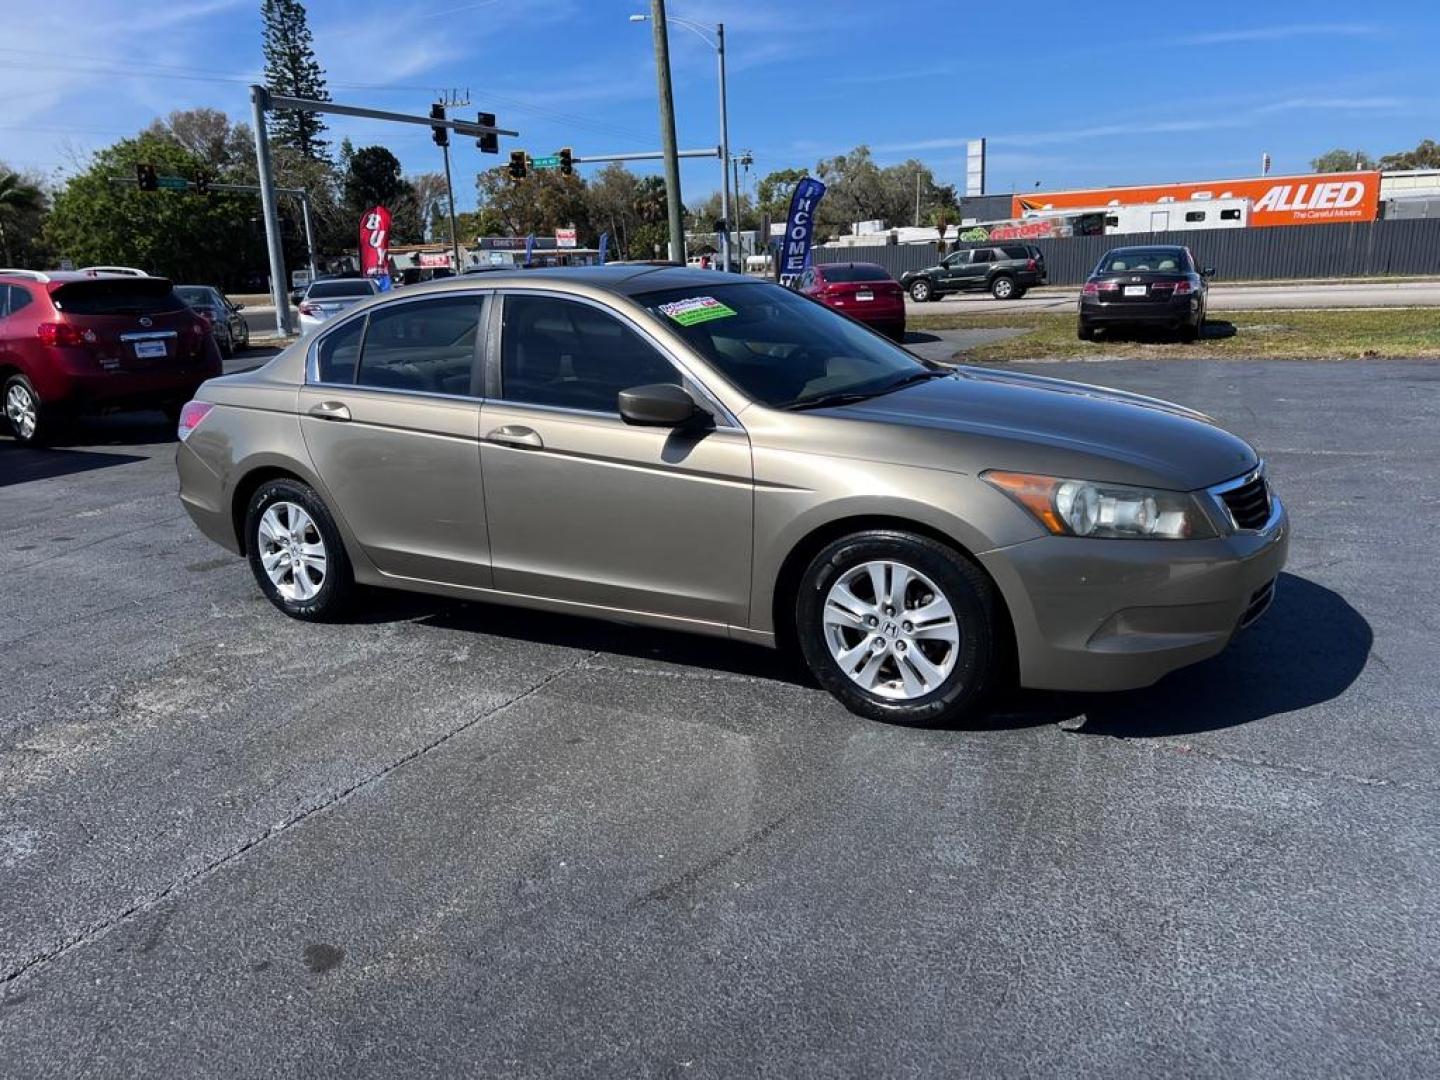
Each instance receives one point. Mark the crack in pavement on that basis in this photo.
(1307, 771)
(98, 930)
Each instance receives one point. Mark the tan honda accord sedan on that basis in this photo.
(693, 450)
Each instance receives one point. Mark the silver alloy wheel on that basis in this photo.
(1003, 288)
(920, 291)
(891, 630)
(292, 551)
(21, 411)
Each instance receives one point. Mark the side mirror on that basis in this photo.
(658, 405)
(1208, 272)
(237, 307)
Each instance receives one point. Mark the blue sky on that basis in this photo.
(1068, 93)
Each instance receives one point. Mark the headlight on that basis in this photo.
(1087, 508)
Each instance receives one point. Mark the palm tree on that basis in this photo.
(16, 198)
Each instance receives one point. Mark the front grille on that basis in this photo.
(1259, 603)
(1249, 504)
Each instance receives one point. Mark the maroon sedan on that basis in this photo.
(864, 291)
(76, 342)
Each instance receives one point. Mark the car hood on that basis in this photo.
(1053, 425)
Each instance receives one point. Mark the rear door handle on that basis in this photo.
(330, 410)
(516, 435)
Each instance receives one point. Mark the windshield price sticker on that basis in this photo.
(696, 309)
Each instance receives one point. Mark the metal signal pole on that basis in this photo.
(450, 203)
(259, 102)
(673, 205)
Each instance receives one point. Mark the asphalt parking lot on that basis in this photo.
(451, 839)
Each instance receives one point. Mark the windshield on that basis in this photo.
(1131, 260)
(778, 347)
(844, 272)
(118, 296)
(324, 290)
(195, 295)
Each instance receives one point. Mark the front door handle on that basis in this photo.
(516, 435)
(330, 410)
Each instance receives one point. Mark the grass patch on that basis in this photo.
(1351, 334)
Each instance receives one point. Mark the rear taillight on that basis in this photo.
(308, 309)
(190, 417)
(59, 333)
(1093, 288)
(1182, 287)
(1090, 289)
(1030, 265)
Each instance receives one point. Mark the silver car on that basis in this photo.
(684, 449)
(326, 299)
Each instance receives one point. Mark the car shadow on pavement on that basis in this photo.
(146, 428)
(1213, 330)
(577, 632)
(23, 464)
(1306, 650)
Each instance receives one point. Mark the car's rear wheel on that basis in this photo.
(295, 551)
(900, 628)
(921, 291)
(30, 421)
(1190, 332)
(1085, 332)
(1003, 287)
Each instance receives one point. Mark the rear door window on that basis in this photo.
(19, 298)
(118, 296)
(982, 255)
(427, 346)
(4, 301)
(338, 352)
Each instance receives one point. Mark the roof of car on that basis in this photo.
(625, 280)
(1147, 247)
(65, 277)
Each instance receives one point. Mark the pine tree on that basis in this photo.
(291, 68)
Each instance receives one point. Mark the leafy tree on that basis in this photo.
(291, 69)
(774, 190)
(859, 190)
(373, 178)
(208, 136)
(650, 236)
(22, 206)
(185, 237)
(611, 197)
(1340, 160)
(542, 202)
(1425, 156)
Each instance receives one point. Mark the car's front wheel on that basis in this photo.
(295, 551)
(921, 290)
(900, 628)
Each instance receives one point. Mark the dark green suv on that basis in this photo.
(1005, 271)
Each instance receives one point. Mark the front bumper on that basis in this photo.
(1120, 614)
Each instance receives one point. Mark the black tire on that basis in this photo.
(31, 425)
(227, 344)
(1190, 333)
(1085, 332)
(972, 599)
(921, 291)
(337, 586)
(1003, 287)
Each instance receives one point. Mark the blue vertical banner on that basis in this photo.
(800, 227)
(529, 248)
(604, 246)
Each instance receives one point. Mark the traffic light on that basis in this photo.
(146, 177)
(517, 164)
(490, 142)
(202, 183)
(567, 161)
(439, 133)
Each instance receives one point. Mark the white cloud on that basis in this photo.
(1282, 33)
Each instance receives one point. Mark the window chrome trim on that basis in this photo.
(149, 335)
(725, 420)
(1217, 493)
(333, 325)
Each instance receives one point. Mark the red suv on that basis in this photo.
(77, 342)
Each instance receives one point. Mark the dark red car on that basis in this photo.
(73, 342)
(864, 291)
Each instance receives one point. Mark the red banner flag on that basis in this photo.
(374, 241)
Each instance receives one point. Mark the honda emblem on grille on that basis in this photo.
(145, 320)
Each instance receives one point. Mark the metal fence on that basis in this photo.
(1357, 249)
